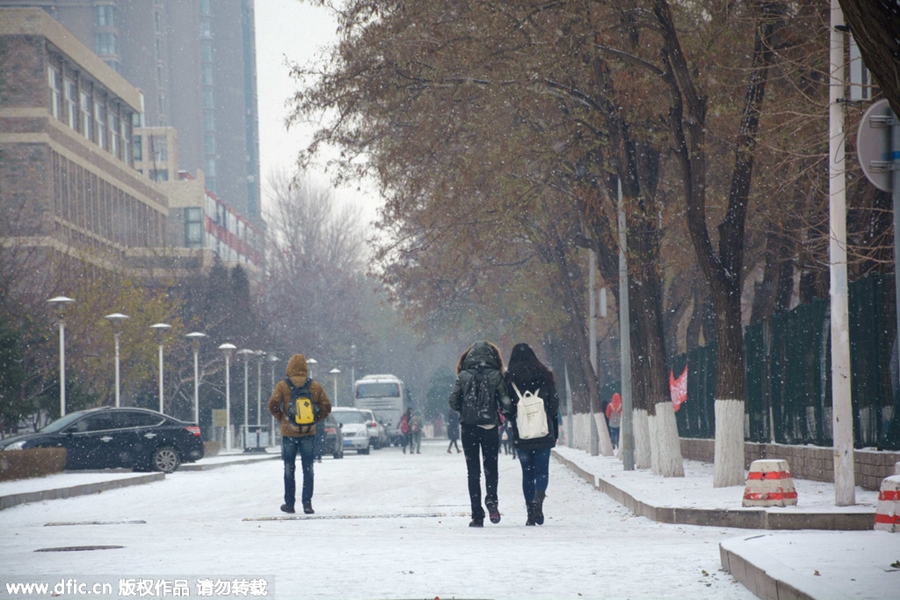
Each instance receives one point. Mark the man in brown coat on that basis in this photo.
(298, 438)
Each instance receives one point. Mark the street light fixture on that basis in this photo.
(272, 360)
(58, 304)
(160, 329)
(334, 373)
(196, 337)
(227, 350)
(311, 364)
(246, 355)
(117, 320)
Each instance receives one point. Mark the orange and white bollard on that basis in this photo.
(887, 514)
(769, 483)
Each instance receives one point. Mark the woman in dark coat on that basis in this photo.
(453, 431)
(525, 373)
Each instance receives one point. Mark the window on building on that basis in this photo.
(208, 102)
(209, 120)
(105, 15)
(204, 8)
(105, 43)
(159, 174)
(137, 147)
(210, 164)
(205, 29)
(113, 133)
(209, 144)
(100, 122)
(157, 20)
(71, 103)
(53, 77)
(193, 227)
(86, 117)
(206, 52)
(207, 75)
(125, 128)
(160, 148)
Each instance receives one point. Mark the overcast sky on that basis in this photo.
(297, 31)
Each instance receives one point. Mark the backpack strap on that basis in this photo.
(518, 393)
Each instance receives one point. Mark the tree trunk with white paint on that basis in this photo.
(729, 448)
(665, 445)
(642, 451)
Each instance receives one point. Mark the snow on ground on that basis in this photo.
(387, 525)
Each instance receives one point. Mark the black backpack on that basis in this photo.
(302, 411)
(479, 405)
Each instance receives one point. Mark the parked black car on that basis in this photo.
(106, 438)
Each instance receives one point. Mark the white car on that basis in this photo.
(354, 427)
(377, 434)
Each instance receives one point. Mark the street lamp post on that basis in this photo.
(196, 337)
(272, 360)
(59, 304)
(334, 373)
(352, 363)
(246, 355)
(227, 350)
(160, 329)
(117, 320)
(311, 364)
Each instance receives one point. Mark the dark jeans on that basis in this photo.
(614, 436)
(290, 446)
(473, 438)
(320, 439)
(535, 471)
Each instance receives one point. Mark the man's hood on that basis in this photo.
(297, 367)
(481, 355)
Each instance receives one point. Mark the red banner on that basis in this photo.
(678, 388)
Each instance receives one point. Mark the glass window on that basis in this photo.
(105, 16)
(98, 422)
(86, 117)
(208, 102)
(210, 164)
(205, 29)
(137, 144)
(346, 417)
(55, 90)
(207, 75)
(209, 121)
(113, 133)
(193, 227)
(105, 43)
(100, 121)
(71, 103)
(209, 144)
(206, 52)
(204, 8)
(136, 419)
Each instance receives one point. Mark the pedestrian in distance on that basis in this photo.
(415, 435)
(298, 403)
(453, 431)
(614, 418)
(533, 424)
(478, 394)
(405, 422)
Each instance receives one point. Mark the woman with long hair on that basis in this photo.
(526, 378)
(477, 395)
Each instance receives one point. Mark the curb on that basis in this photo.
(211, 466)
(77, 490)
(748, 518)
(766, 577)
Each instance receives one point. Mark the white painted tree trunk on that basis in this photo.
(729, 449)
(664, 443)
(642, 450)
(606, 448)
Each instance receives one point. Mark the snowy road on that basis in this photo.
(387, 525)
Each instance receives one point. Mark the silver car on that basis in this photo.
(378, 437)
(354, 428)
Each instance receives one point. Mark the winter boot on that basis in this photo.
(493, 512)
(308, 509)
(529, 507)
(475, 522)
(539, 507)
(288, 508)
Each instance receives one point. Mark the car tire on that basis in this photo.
(165, 459)
(366, 451)
(338, 455)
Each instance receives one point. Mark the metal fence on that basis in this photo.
(788, 370)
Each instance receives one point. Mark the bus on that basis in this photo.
(387, 397)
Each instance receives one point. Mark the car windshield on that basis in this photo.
(61, 423)
(378, 390)
(348, 417)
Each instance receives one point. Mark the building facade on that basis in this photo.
(194, 61)
(67, 178)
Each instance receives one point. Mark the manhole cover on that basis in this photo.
(78, 548)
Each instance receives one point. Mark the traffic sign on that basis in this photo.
(873, 145)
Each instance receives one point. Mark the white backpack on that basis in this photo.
(531, 418)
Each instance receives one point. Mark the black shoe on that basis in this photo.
(288, 508)
(529, 507)
(476, 522)
(493, 512)
(307, 508)
(539, 507)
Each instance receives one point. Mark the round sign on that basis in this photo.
(873, 143)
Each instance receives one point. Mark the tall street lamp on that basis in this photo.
(58, 304)
(352, 363)
(272, 360)
(227, 350)
(246, 355)
(117, 320)
(334, 373)
(196, 337)
(311, 364)
(160, 329)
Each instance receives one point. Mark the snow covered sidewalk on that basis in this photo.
(859, 563)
